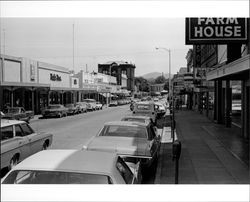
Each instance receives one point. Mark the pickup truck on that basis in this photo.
(18, 113)
(18, 141)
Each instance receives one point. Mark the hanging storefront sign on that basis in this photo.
(216, 30)
(55, 77)
(32, 72)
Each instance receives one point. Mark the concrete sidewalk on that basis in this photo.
(211, 153)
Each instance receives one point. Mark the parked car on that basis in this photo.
(134, 141)
(72, 109)
(71, 167)
(160, 109)
(99, 105)
(113, 103)
(145, 109)
(18, 113)
(91, 104)
(141, 119)
(19, 140)
(55, 110)
(82, 106)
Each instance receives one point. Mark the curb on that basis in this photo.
(35, 119)
(159, 167)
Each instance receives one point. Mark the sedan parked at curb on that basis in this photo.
(71, 167)
(18, 113)
(19, 140)
(55, 110)
(99, 106)
(141, 119)
(72, 109)
(133, 141)
(82, 106)
(91, 104)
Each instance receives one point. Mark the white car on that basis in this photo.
(99, 105)
(19, 140)
(72, 167)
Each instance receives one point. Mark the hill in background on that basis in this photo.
(153, 75)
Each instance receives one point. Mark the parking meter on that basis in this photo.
(176, 150)
(176, 155)
(173, 124)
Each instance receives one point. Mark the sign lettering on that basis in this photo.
(55, 77)
(216, 30)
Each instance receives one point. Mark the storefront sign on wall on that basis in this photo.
(216, 30)
(55, 77)
(32, 72)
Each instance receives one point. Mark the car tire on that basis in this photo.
(13, 162)
(45, 146)
(60, 115)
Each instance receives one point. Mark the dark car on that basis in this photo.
(72, 109)
(55, 110)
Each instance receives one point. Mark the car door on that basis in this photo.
(155, 141)
(35, 141)
(23, 142)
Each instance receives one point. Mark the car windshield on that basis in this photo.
(124, 131)
(89, 101)
(13, 110)
(54, 177)
(69, 105)
(54, 107)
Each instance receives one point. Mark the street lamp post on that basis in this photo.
(172, 89)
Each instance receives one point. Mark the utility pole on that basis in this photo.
(4, 41)
(73, 46)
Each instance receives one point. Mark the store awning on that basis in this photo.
(105, 94)
(21, 84)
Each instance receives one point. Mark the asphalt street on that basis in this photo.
(73, 131)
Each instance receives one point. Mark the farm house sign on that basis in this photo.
(216, 30)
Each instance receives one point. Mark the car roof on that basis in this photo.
(7, 122)
(137, 117)
(90, 99)
(145, 102)
(125, 123)
(71, 161)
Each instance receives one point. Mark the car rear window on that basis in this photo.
(124, 131)
(54, 177)
(134, 119)
(6, 133)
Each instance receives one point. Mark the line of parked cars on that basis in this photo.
(122, 152)
(58, 110)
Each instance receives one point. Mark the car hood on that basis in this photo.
(9, 114)
(121, 145)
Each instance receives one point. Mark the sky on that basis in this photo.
(105, 31)
(97, 41)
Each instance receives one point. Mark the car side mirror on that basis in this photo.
(155, 129)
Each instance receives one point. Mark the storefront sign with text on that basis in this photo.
(216, 30)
